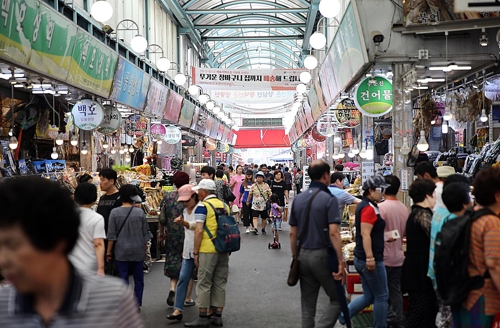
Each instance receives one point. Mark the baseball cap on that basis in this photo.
(207, 184)
(261, 174)
(249, 172)
(136, 199)
(185, 192)
(376, 181)
(445, 171)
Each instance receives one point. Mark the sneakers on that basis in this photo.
(247, 231)
(216, 321)
(200, 322)
(171, 298)
(255, 231)
(264, 231)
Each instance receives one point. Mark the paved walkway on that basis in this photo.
(257, 293)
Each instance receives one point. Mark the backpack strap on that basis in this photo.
(216, 218)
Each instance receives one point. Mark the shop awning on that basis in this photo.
(262, 138)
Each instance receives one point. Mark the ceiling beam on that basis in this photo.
(311, 20)
(175, 8)
(254, 38)
(245, 11)
(251, 26)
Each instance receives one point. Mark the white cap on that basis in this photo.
(207, 184)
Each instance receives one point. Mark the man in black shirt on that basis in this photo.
(110, 199)
(268, 176)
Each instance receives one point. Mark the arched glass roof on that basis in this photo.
(252, 33)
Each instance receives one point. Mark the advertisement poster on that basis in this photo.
(220, 132)
(194, 122)
(130, 86)
(157, 99)
(173, 108)
(187, 113)
(215, 128)
(93, 65)
(246, 79)
(345, 58)
(417, 12)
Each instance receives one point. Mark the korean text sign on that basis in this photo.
(87, 114)
(251, 79)
(130, 86)
(157, 99)
(373, 96)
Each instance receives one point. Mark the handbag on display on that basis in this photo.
(293, 274)
(110, 267)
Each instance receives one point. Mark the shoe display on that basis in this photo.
(189, 303)
(216, 321)
(171, 298)
(177, 317)
(200, 322)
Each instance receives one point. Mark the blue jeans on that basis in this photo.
(137, 270)
(375, 291)
(183, 283)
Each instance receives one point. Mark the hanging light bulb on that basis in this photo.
(337, 138)
(163, 65)
(74, 140)
(329, 8)
(335, 155)
(444, 127)
(317, 40)
(405, 148)
(422, 144)
(310, 62)
(131, 149)
(105, 145)
(204, 98)
(180, 79)
(84, 149)
(350, 154)
(483, 117)
(101, 11)
(113, 150)
(60, 139)
(301, 88)
(210, 105)
(341, 154)
(363, 153)
(433, 121)
(329, 130)
(447, 114)
(13, 143)
(305, 77)
(216, 110)
(355, 150)
(127, 158)
(369, 153)
(122, 150)
(54, 154)
(139, 43)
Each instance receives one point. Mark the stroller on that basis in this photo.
(275, 244)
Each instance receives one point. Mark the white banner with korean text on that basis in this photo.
(252, 97)
(246, 79)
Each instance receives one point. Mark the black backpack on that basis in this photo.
(451, 258)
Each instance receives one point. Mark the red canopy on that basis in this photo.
(262, 138)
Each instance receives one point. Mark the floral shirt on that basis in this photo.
(260, 197)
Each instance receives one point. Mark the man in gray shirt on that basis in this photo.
(322, 230)
(343, 197)
(45, 289)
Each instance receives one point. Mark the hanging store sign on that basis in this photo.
(215, 128)
(156, 99)
(347, 114)
(253, 97)
(316, 135)
(246, 79)
(112, 120)
(174, 106)
(172, 135)
(130, 86)
(136, 125)
(210, 144)
(187, 113)
(93, 65)
(420, 12)
(373, 96)
(367, 170)
(220, 132)
(194, 121)
(158, 130)
(345, 58)
(87, 114)
(188, 141)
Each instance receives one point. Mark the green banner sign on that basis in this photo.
(93, 65)
(373, 96)
(52, 42)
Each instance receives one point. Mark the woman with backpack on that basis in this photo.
(423, 303)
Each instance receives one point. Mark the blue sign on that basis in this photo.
(130, 86)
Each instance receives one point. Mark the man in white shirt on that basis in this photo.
(426, 170)
(88, 254)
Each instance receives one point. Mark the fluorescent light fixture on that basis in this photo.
(43, 85)
(430, 79)
(420, 87)
(450, 67)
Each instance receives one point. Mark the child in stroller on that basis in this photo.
(275, 221)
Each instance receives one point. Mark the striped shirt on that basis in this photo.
(484, 243)
(91, 302)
